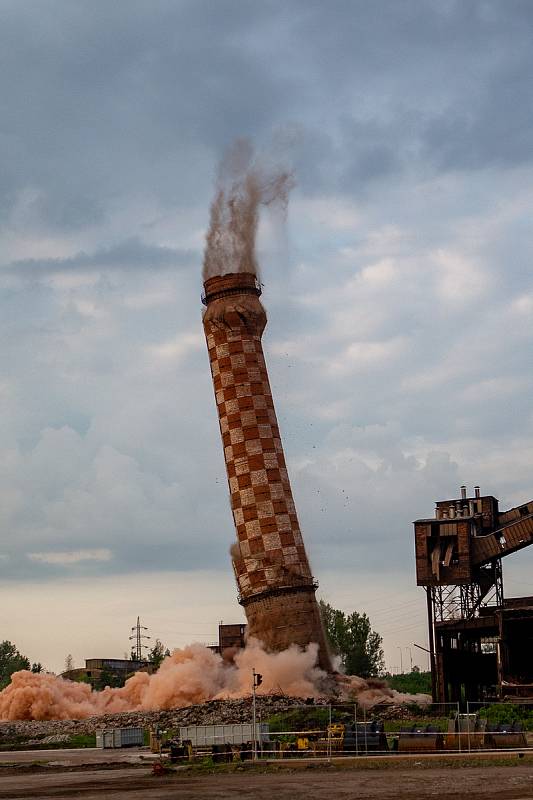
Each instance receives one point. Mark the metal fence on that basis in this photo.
(499, 726)
(348, 731)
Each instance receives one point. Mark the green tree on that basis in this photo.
(415, 682)
(108, 677)
(351, 637)
(10, 661)
(158, 653)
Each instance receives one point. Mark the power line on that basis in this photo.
(390, 609)
(403, 628)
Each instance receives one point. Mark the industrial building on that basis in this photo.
(480, 641)
(98, 669)
(230, 637)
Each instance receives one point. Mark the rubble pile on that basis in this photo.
(214, 712)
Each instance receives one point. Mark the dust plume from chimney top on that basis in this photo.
(245, 182)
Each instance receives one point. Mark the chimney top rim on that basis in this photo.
(230, 283)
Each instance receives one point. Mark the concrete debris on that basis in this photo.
(211, 713)
(215, 711)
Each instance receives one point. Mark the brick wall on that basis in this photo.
(269, 554)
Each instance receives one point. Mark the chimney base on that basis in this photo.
(288, 616)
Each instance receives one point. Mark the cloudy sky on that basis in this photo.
(400, 298)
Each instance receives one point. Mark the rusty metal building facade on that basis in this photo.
(480, 641)
(231, 637)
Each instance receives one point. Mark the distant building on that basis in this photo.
(114, 670)
(229, 637)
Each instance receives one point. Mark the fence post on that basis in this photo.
(459, 726)
(468, 722)
(254, 723)
(329, 734)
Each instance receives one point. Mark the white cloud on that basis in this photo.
(177, 348)
(333, 213)
(400, 339)
(368, 354)
(460, 281)
(72, 557)
(379, 275)
(159, 297)
(523, 304)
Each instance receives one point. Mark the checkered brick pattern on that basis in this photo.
(271, 546)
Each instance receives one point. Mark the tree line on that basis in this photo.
(12, 661)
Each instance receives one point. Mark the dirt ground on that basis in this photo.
(73, 757)
(413, 783)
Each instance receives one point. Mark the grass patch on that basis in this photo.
(395, 725)
(82, 740)
(410, 682)
(507, 713)
(73, 741)
(300, 719)
(352, 764)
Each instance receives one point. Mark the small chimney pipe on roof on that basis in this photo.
(476, 490)
(463, 492)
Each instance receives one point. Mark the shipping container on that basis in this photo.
(119, 737)
(209, 735)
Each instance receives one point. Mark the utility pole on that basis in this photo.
(257, 680)
(137, 636)
(435, 688)
(431, 654)
(401, 659)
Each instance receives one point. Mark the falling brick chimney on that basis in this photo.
(275, 584)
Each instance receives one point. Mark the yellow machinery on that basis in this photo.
(306, 740)
(315, 743)
(351, 739)
(334, 742)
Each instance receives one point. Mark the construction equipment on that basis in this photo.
(305, 740)
(420, 739)
(504, 736)
(475, 732)
(465, 732)
(331, 742)
(361, 738)
(220, 742)
(356, 738)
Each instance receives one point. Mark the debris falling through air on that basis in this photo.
(245, 182)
